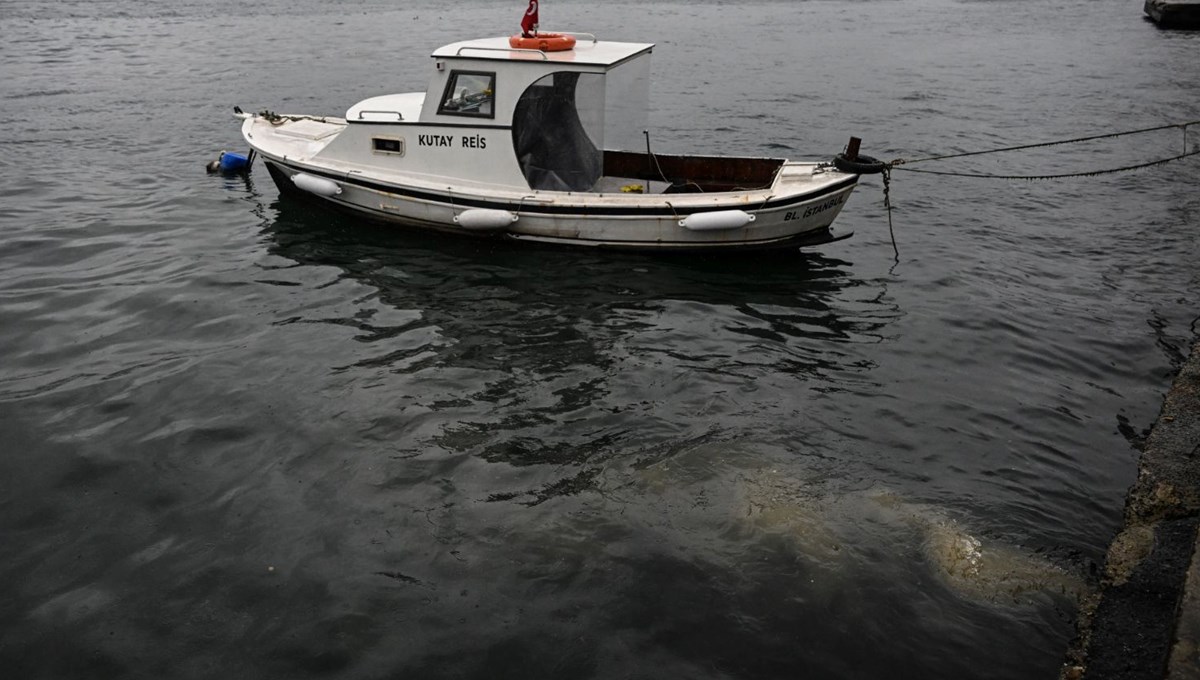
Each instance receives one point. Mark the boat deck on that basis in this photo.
(629, 185)
(689, 180)
(294, 136)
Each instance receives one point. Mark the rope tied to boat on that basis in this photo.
(850, 161)
(900, 163)
(887, 204)
(278, 119)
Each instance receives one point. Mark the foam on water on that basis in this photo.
(833, 530)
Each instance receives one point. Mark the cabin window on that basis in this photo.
(388, 145)
(469, 93)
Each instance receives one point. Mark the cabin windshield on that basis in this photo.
(564, 121)
(469, 93)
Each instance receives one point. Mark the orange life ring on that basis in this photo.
(546, 42)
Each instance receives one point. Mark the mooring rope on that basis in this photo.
(1064, 175)
(887, 204)
(898, 164)
(1074, 140)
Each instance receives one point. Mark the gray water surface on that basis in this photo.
(246, 436)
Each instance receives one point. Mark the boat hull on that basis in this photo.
(638, 223)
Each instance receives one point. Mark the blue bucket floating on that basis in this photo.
(233, 162)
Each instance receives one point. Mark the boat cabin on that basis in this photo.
(570, 120)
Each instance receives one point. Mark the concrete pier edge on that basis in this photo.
(1174, 13)
(1144, 623)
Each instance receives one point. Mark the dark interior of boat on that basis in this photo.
(693, 174)
(552, 147)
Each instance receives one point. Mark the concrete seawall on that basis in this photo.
(1145, 621)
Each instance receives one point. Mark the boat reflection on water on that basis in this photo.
(558, 356)
(518, 298)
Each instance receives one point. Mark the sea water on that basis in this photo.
(246, 436)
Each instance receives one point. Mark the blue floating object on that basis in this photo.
(233, 162)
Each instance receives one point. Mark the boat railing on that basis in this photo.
(540, 53)
(399, 116)
(502, 49)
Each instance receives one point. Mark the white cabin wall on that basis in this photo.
(456, 153)
(457, 148)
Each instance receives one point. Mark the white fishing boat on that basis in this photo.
(544, 139)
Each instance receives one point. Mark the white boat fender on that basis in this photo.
(717, 220)
(316, 185)
(484, 219)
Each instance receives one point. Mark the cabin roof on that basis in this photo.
(585, 53)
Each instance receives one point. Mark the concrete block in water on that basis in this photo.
(1174, 13)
